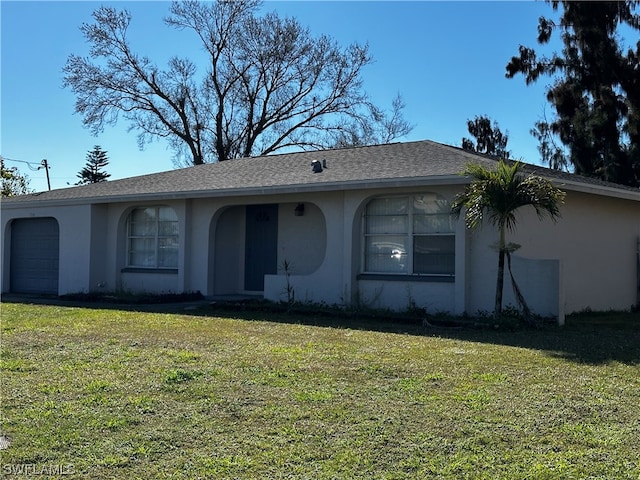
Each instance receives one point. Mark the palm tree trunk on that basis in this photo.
(500, 280)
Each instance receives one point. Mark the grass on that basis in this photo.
(109, 393)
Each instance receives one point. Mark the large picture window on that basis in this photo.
(412, 235)
(152, 238)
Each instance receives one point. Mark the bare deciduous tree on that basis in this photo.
(269, 85)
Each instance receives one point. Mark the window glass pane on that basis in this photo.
(143, 229)
(142, 252)
(167, 221)
(433, 223)
(386, 254)
(143, 222)
(143, 215)
(168, 228)
(387, 206)
(431, 203)
(413, 235)
(167, 214)
(168, 252)
(153, 238)
(434, 254)
(386, 224)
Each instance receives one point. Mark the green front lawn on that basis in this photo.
(118, 394)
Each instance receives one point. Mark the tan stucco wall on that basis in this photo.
(596, 241)
(596, 249)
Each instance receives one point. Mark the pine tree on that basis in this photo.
(489, 138)
(595, 92)
(92, 172)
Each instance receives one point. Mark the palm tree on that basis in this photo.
(497, 194)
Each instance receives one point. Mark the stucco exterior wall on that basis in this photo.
(75, 227)
(314, 245)
(100, 247)
(335, 281)
(585, 260)
(302, 240)
(403, 295)
(594, 244)
(226, 247)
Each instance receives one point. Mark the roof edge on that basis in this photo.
(252, 191)
(605, 190)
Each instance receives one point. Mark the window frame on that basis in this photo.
(156, 238)
(410, 237)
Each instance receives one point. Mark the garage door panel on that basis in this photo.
(35, 255)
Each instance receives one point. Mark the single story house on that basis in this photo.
(368, 225)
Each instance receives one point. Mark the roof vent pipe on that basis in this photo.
(316, 166)
(324, 163)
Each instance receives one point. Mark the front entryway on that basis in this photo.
(261, 247)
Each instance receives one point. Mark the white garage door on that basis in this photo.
(35, 255)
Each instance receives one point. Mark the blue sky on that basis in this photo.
(446, 59)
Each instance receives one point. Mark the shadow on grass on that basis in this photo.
(591, 338)
(586, 338)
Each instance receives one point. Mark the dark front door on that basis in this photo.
(261, 247)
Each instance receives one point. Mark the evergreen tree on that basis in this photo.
(92, 172)
(596, 90)
(488, 138)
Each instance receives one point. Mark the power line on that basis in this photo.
(31, 166)
(44, 164)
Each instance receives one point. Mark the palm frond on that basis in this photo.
(495, 195)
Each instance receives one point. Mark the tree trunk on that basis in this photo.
(500, 280)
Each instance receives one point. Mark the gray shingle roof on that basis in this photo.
(394, 164)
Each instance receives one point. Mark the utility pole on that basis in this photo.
(46, 169)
